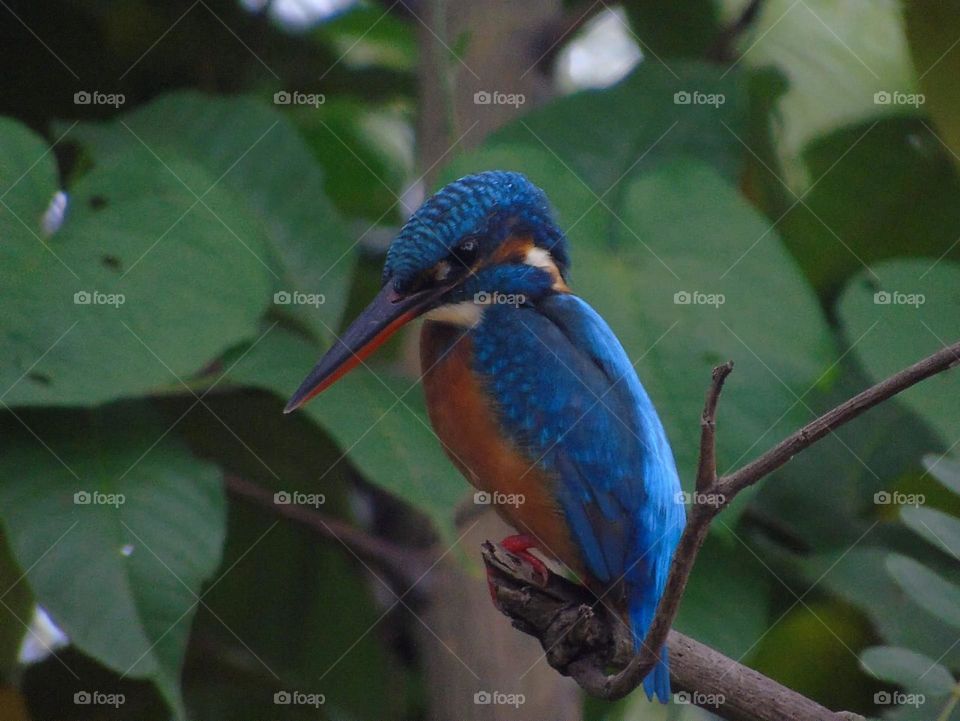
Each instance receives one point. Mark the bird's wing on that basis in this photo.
(574, 400)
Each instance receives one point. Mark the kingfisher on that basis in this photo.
(529, 391)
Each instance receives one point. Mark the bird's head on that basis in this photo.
(482, 237)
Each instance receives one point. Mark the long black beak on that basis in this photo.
(385, 315)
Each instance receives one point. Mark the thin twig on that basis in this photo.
(406, 564)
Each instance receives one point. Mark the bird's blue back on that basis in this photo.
(568, 396)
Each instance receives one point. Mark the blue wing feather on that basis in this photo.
(568, 394)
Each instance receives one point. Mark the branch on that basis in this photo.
(405, 564)
(586, 661)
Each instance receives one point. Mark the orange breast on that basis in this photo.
(464, 419)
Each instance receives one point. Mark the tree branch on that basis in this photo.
(406, 565)
(577, 646)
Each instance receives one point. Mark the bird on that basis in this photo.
(529, 391)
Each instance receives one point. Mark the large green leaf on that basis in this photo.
(137, 268)
(836, 56)
(603, 134)
(727, 581)
(118, 527)
(932, 29)
(254, 151)
(945, 470)
(927, 589)
(297, 610)
(675, 231)
(859, 575)
(376, 417)
(16, 609)
(938, 528)
(908, 669)
(883, 189)
(900, 312)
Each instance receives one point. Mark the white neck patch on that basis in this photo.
(466, 314)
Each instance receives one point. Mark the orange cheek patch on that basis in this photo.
(513, 250)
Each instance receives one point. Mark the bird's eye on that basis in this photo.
(467, 251)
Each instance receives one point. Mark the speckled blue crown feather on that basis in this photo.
(490, 205)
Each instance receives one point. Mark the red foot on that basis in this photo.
(519, 545)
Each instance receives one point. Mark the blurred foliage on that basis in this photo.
(771, 208)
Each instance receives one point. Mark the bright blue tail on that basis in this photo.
(657, 682)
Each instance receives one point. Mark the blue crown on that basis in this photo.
(491, 206)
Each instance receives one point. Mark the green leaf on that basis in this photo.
(138, 268)
(675, 229)
(602, 134)
(252, 150)
(926, 588)
(897, 314)
(835, 56)
(885, 188)
(860, 577)
(932, 29)
(16, 610)
(687, 28)
(908, 669)
(118, 526)
(303, 607)
(940, 529)
(945, 470)
(727, 582)
(378, 418)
